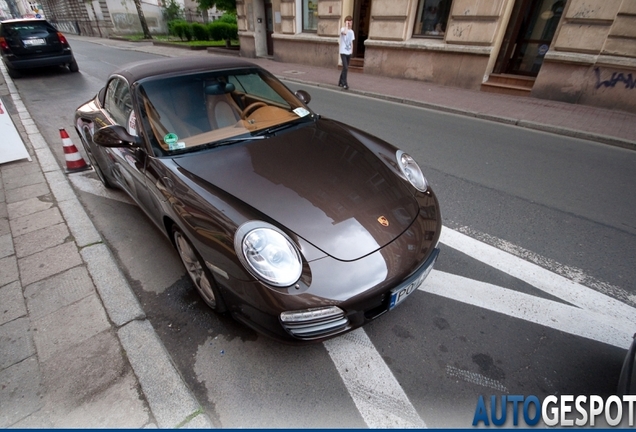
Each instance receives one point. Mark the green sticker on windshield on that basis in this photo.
(170, 138)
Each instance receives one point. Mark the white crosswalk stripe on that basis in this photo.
(378, 396)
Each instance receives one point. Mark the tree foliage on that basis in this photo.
(228, 6)
(228, 18)
(171, 10)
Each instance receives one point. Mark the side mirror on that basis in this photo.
(115, 136)
(303, 96)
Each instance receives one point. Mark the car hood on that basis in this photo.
(319, 181)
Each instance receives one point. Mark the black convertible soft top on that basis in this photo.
(136, 71)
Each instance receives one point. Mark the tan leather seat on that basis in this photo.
(222, 111)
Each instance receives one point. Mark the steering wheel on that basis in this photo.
(252, 107)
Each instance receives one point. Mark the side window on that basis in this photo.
(254, 85)
(310, 15)
(432, 18)
(118, 102)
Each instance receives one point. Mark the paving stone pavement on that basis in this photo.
(76, 349)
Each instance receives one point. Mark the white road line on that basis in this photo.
(575, 274)
(378, 396)
(540, 278)
(548, 313)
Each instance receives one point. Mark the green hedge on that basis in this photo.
(220, 30)
(200, 32)
(180, 29)
(216, 30)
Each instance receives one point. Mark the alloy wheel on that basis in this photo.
(195, 269)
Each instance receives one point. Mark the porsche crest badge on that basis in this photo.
(383, 221)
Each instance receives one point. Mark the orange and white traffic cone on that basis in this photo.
(74, 160)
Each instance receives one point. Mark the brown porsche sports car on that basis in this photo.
(299, 226)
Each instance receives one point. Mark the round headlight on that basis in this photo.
(268, 253)
(411, 171)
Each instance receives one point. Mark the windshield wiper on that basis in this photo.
(215, 144)
(229, 141)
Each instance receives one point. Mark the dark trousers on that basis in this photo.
(345, 68)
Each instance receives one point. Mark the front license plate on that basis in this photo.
(400, 293)
(34, 42)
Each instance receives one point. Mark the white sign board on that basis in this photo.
(11, 144)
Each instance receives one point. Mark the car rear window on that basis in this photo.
(25, 30)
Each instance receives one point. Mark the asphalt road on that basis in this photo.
(484, 323)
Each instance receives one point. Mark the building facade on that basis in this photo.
(579, 51)
(192, 12)
(103, 18)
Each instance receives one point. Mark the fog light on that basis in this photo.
(311, 314)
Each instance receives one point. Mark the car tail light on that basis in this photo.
(4, 46)
(62, 38)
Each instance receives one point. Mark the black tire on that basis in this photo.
(197, 270)
(73, 67)
(13, 73)
(93, 161)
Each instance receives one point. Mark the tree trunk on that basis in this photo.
(142, 19)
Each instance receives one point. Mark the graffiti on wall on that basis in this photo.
(616, 79)
(125, 21)
(129, 21)
(66, 27)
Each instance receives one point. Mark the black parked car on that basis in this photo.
(33, 43)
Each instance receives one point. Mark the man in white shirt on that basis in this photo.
(346, 48)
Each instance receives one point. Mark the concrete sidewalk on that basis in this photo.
(76, 349)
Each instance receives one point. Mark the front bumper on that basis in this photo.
(356, 312)
(359, 314)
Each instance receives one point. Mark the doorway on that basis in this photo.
(361, 22)
(528, 37)
(269, 27)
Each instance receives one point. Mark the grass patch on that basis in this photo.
(175, 40)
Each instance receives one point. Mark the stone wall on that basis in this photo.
(125, 18)
(593, 61)
(308, 49)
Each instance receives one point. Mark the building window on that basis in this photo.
(310, 15)
(432, 18)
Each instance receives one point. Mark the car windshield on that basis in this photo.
(189, 112)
